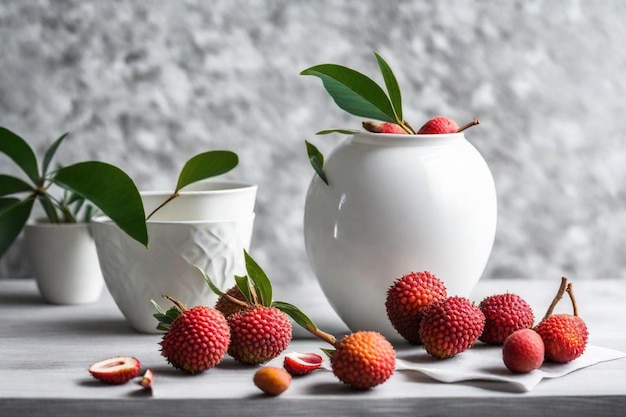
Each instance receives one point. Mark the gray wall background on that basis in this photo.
(147, 84)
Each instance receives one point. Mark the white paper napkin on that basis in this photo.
(484, 362)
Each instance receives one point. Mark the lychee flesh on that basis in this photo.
(451, 326)
(504, 314)
(523, 351)
(407, 299)
(197, 339)
(258, 334)
(438, 125)
(363, 360)
(565, 337)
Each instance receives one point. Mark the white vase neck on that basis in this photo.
(384, 139)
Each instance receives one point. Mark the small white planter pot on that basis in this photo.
(209, 228)
(65, 262)
(398, 204)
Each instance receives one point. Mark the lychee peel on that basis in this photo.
(523, 351)
(407, 299)
(451, 326)
(258, 334)
(504, 314)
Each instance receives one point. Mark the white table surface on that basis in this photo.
(45, 351)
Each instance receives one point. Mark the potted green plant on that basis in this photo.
(69, 196)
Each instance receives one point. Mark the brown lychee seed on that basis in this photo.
(564, 335)
(523, 351)
(407, 299)
(272, 380)
(363, 360)
(504, 314)
(258, 334)
(451, 326)
(227, 306)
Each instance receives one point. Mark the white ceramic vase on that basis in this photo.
(397, 204)
(64, 261)
(208, 227)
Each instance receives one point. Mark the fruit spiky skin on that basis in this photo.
(451, 326)
(226, 306)
(523, 351)
(197, 339)
(363, 360)
(407, 299)
(504, 314)
(564, 335)
(117, 370)
(438, 125)
(258, 334)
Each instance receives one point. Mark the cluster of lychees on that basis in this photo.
(420, 310)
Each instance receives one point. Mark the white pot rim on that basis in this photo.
(105, 220)
(214, 187)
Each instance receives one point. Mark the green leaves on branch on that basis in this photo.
(85, 185)
(361, 96)
(317, 160)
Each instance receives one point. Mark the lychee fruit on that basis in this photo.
(504, 314)
(408, 297)
(451, 326)
(117, 370)
(197, 339)
(272, 380)
(258, 334)
(523, 351)
(564, 335)
(388, 128)
(226, 305)
(363, 360)
(441, 125)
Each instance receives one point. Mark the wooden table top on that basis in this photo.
(45, 351)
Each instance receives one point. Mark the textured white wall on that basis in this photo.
(147, 84)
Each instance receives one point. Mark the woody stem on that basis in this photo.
(557, 298)
(326, 337)
(570, 292)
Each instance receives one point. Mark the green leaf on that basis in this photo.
(262, 283)
(317, 160)
(328, 352)
(165, 318)
(20, 152)
(295, 313)
(342, 131)
(50, 154)
(354, 92)
(393, 89)
(111, 190)
(13, 217)
(206, 165)
(11, 185)
(243, 283)
(49, 208)
(209, 282)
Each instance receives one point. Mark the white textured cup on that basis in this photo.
(134, 275)
(205, 200)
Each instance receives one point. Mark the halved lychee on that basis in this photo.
(117, 370)
(297, 363)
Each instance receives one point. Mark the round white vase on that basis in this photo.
(65, 262)
(397, 204)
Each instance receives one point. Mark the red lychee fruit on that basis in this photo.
(440, 125)
(226, 305)
(504, 314)
(523, 351)
(197, 339)
(297, 363)
(117, 370)
(408, 297)
(258, 334)
(363, 360)
(564, 335)
(451, 326)
(388, 128)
